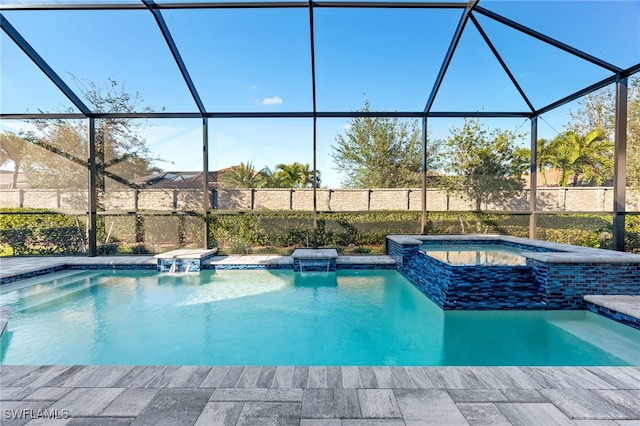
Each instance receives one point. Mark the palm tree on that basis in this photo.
(273, 179)
(545, 157)
(297, 175)
(12, 150)
(589, 156)
(242, 176)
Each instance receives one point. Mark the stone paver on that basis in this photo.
(87, 402)
(214, 378)
(330, 403)
(586, 404)
(270, 413)
(174, 407)
(533, 414)
(284, 395)
(233, 394)
(378, 403)
(267, 375)
(130, 403)
(477, 395)
(220, 414)
(317, 377)
(482, 414)
(46, 394)
(318, 396)
(428, 406)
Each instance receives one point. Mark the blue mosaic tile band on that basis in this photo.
(203, 266)
(565, 285)
(314, 265)
(470, 287)
(246, 267)
(14, 278)
(110, 266)
(614, 315)
(365, 266)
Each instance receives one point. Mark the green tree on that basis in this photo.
(485, 166)
(296, 175)
(597, 110)
(586, 158)
(12, 152)
(243, 176)
(545, 158)
(56, 155)
(380, 152)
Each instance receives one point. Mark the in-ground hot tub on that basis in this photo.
(476, 254)
(456, 273)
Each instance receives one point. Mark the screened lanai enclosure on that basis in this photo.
(141, 127)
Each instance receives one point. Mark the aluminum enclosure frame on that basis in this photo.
(468, 9)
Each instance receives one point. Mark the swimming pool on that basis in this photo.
(281, 317)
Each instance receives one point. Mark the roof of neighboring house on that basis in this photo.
(183, 179)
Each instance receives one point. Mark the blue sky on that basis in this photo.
(259, 60)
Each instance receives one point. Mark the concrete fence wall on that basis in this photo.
(598, 199)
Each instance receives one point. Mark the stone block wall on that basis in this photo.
(120, 200)
(348, 200)
(598, 199)
(391, 197)
(42, 199)
(156, 199)
(233, 199)
(272, 199)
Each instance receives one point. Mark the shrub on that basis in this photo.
(139, 249)
(18, 239)
(61, 240)
(361, 250)
(50, 233)
(108, 249)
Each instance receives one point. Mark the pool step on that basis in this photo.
(5, 313)
(28, 298)
(40, 279)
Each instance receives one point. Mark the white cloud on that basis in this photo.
(275, 100)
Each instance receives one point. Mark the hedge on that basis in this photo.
(52, 233)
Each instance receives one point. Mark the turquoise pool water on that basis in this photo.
(285, 318)
(476, 254)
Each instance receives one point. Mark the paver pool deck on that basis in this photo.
(308, 395)
(303, 395)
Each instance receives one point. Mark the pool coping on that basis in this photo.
(18, 268)
(319, 395)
